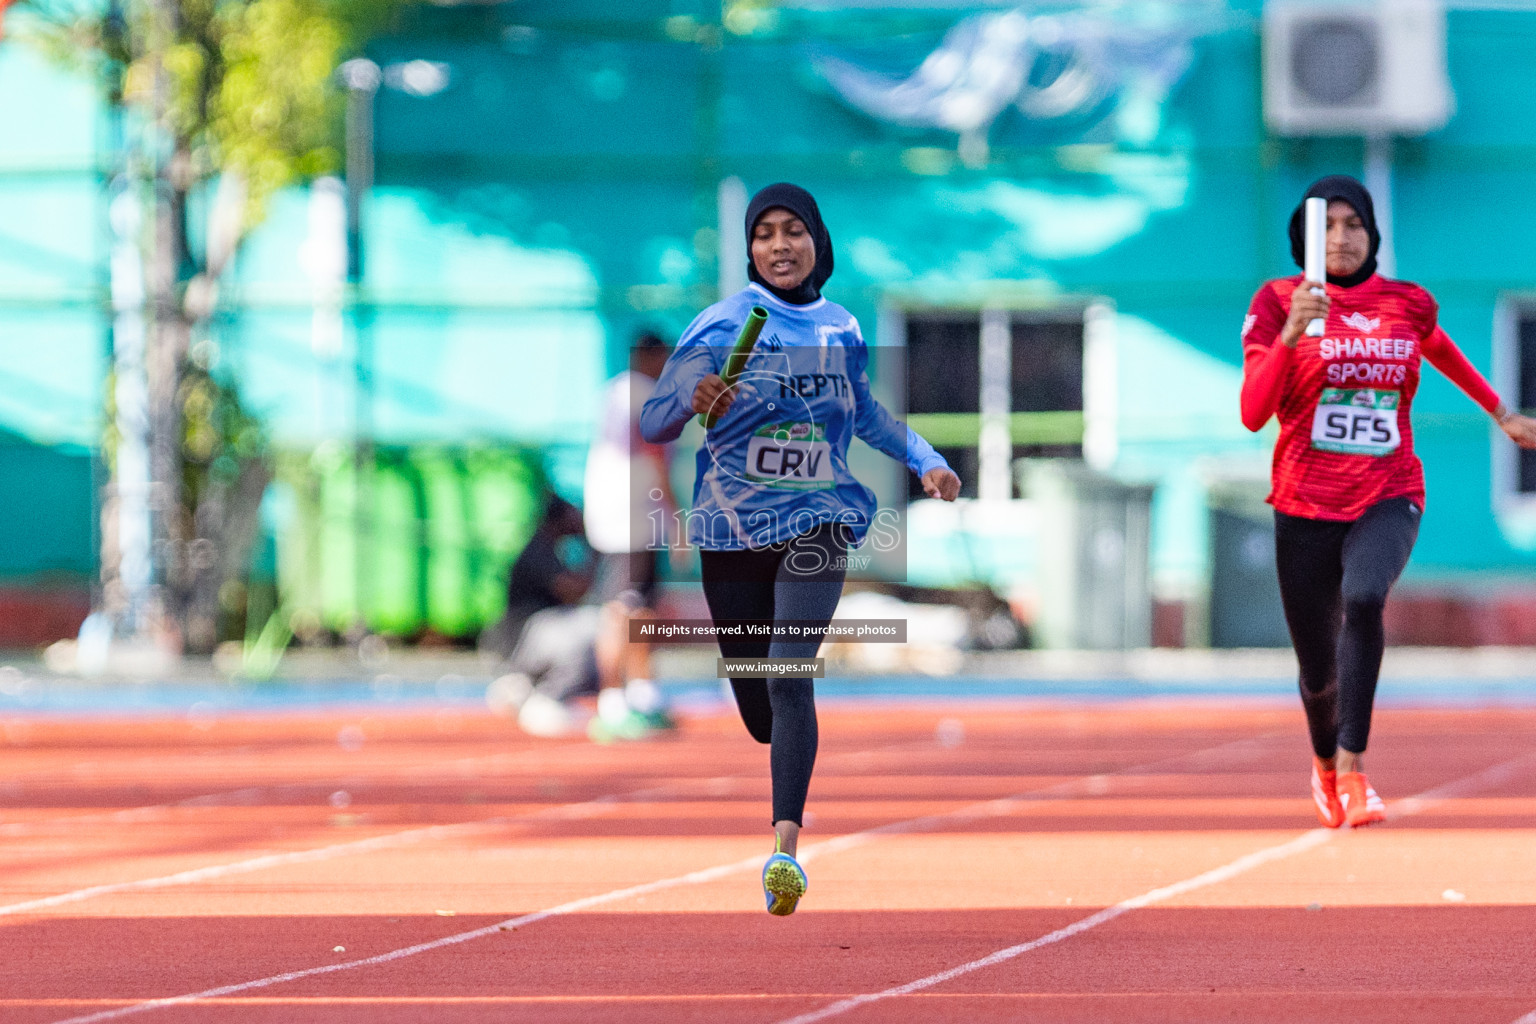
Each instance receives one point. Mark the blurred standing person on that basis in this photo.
(1347, 488)
(775, 506)
(627, 489)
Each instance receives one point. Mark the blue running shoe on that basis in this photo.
(784, 882)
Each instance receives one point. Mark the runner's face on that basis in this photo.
(782, 249)
(1348, 241)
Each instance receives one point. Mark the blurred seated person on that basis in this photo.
(557, 648)
(553, 570)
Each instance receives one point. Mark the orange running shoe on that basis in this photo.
(1325, 795)
(1361, 804)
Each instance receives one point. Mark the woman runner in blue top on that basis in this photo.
(775, 507)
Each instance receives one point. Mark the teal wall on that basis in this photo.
(52, 331)
(47, 533)
(607, 139)
(559, 193)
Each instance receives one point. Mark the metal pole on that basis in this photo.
(731, 211)
(1378, 181)
(128, 592)
(995, 471)
(123, 535)
(362, 78)
(1101, 387)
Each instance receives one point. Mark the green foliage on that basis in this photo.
(219, 435)
(244, 92)
(249, 86)
(218, 432)
(275, 115)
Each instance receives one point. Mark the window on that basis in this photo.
(944, 389)
(1037, 390)
(1524, 392)
(1515, 378)
(944, 364)
(1047, 365)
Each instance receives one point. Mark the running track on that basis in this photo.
(1128, 862)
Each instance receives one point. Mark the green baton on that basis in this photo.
(737, 360)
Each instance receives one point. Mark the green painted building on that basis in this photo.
(1090, 189)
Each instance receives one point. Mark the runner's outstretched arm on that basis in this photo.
(1446, 357)
(875, 426)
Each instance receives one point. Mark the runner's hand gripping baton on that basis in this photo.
(1315, 253)
(737, 360)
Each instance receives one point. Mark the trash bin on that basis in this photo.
(1095, 590)
(1245, 592)
(444, 524)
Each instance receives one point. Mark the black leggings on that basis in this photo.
(1335, 574)
(801, 579)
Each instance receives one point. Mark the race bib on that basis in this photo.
(794, 456)
(1356, 422)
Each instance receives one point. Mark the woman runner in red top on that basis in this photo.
(1347, 488)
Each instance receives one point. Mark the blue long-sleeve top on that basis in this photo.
(776, 464)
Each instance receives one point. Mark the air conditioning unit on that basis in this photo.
(1356, 69)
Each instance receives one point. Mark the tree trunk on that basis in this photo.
(192, 552)
(226, 521)
(166, 351)
(166, 331)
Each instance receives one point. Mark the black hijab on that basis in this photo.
(800, 203)
(1338, 186)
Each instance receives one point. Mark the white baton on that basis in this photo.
(1315, 250)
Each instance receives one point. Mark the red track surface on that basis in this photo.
(153, 860)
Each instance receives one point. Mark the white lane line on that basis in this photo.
(1306, 841)
(251, 795)
(1486, 779)
(457, 768)
(693, 878)
(589, 808)
(274, 860)
(1529, 1018)
(409, 837)
(1088, 784)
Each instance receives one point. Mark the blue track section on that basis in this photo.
(22, 694)
(1404, 692)
(49, 696)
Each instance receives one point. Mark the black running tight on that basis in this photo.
(801, 579)
(1334, 579)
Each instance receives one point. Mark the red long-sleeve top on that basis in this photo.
(1343, 400)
